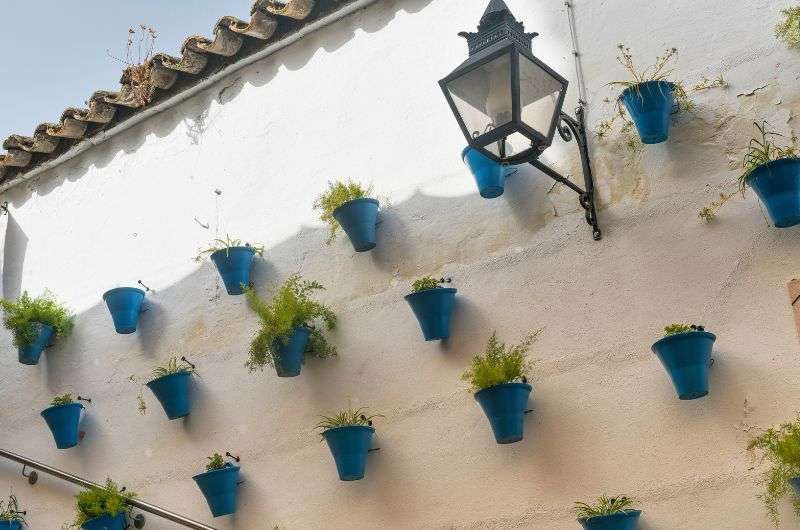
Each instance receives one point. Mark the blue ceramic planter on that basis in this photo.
(649, 105)
(219, 488)
(234, 266)
(617, 521)
(106, 522)
(172, 392)
(777, 184)
(505, 407)
(289, 357)
(358, 219)
(63, 421)
(687, 358)
(433, 309)
(125, 304)
(30, 354)
(10, 525)
(490, 176)
(349, 447)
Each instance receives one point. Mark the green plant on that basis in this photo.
(604, 506)
(63, 399)
(9, 511)
(674, 329)
(172, 366)
(346, 418)
(22, 315)
(428, 282)
(337, 194)
(788, 29)
(500, 363)
(781, 447)
(292, 306)
(226, 244)
(761, 150)
(215, 461)
(98, 501)
(709, 213)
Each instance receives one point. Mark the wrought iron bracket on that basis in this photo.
(570, 129)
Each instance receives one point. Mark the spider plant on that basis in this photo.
(9, 511)
(500, 363)
(63, 399)
(23, 315)
(763, 149)
(337, 194)
(346, 418)
(604, 506)
(173, 365)
(226, 244)
(781, 447)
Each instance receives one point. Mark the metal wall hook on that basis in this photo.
(373, 449)
(86, 399)
(187, 361)
(240, 482)
(528, 411)
(32, 476)
(4, 208)
(229, 455)
(711, 362)
(139, 520)
(146, 288)
(446, 280)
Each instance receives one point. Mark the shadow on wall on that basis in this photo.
(374, 19)
(16, 242)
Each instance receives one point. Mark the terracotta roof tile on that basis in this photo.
(233, 39)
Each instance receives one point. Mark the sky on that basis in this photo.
(56, 52)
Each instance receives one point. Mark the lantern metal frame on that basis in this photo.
(500, 33)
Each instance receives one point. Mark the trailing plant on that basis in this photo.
(22, 315)
(63, 399)
(604, 506)
(173, 365)
(95, 502)
(346, 418)
(788, 29)
(674, 329)
(659, 71)
(292, 306)
(337, 194)
(9, 511)
(226, 244)
(500, 363)
(709, 213)
(215, 461)
(428, 282)
(781, 447)
(763, 149)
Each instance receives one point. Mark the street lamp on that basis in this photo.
(508, 102)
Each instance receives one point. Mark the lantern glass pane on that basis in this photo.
(539, 96)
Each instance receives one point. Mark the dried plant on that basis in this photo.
(788, 29)
(138, 51)
(709, 213)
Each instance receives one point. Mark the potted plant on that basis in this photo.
(125, 304)
(781, 447)
(773, 171)
(233, 261)
(103, 508)
(614, 513)
(490, 176)
(432, 304)
(685, 352)
(218, 484)
(348, 205)
(288, 332)
(499, 378)
(170, 383)
(349, 434)
(35, 323)
(11, 517)
(63, 416)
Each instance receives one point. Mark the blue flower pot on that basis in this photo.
(358, 219)
(490, 176)
(106, 522)
(10, 525)
(63, 421)
(505, 407)
(172, 392)
(30, 354)
(125, 304)
(219, 488)
(777, 184)
(687, 358)
(433, 309)
(349, 447)
(795, 484)
(649, 105)
(289, 355)
(234, 266)
(617, 521)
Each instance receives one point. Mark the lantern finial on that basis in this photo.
(497, 23)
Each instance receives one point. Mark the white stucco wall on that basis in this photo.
(359, 99)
